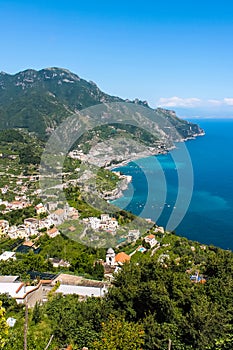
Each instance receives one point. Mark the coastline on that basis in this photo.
(150, 152)
(120, 188)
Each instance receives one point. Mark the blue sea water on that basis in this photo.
(155, 186)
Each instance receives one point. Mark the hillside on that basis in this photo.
(40, 100)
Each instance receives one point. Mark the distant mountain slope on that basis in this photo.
(40, 100)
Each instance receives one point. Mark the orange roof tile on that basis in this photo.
(28, 243)
(122, 257)
(150, 236)
(52, 230)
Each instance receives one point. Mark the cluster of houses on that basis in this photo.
(65, 283)
(21, 199)
(33, 226)
(18, 203)
(105, 223)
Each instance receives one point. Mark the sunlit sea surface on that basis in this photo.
(209, 218)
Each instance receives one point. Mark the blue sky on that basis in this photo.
(175, 54)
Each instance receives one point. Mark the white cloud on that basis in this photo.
(215, 102)
(193, 102)
(228, 101)
(178, 102)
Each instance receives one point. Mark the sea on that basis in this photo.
(190, 189)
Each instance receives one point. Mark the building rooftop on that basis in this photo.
(8, 279)
(7, 255)
(122, 257)
(52, 230)
(16, 290)
(59, 212)
(67, 279)
(81, 290)
(150, 236)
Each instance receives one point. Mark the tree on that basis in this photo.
(36, 315)
(118, 334)
(3, 327)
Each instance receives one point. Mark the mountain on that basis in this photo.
(40, 100)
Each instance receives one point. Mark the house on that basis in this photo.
(12, 232)
(73, 213)
(51, 206)
(159, 229)
(59, 262)
(122, 258)
(45, 223)
(113, 259)
(11, 321)
(113, 224)
(53, 232)
(7, 255)
(4, 189)
(151, 240)
(32, 223)
(94, 223)
(29, 244)
(133, 235)
(22, 232)
(18, 205)
(105, 218)
(71, 284)
(40, 209)
(4, 226)
(58, 216)
(22, 293)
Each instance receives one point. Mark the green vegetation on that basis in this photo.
(16, 217)
(77, 200)
(149, 304)
(151, 301)
(19, 142)
(106, 180)
(3, 327)
(81, 258)
(40, 100)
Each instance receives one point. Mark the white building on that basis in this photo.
(22, 293)
(151, 240)
(32, 223)
(53, 232)
(105, 218)
(7, 255)
(59, 216)
(12, 232)
(83, 291)
(22, 232)
(94, 223)
(110, 257)
(133, 235)
(40, 209)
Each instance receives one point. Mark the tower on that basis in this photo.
(110, 257)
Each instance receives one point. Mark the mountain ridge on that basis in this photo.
(39, 100)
